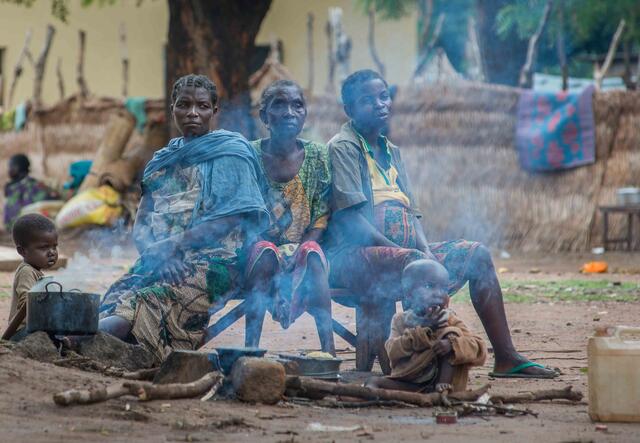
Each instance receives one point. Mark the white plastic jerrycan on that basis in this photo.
(614, 374)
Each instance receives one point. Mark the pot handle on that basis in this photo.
(46, 287)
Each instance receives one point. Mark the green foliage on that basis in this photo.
(388, 9)
(585, 20)
(60, 8)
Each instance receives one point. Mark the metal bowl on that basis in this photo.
(311, 367)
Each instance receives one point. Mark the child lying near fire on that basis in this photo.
(36, 241)
(429, 348)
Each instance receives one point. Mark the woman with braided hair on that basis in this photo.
(201, 202)
(287, 270)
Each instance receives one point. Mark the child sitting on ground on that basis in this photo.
(429, 348)
(36, 241)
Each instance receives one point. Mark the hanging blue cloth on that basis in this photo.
(136, 106)
(20, 118)
(78, 171)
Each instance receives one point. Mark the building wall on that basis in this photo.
(147, 32)
(146, 36)
(287, 20)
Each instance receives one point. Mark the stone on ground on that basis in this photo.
(186, 366)
(38, 346)
(111, 351)
(258, 380)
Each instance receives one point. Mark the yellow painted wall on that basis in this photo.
(147, 33)
(287, 20)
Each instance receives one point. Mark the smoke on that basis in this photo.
(101, 256)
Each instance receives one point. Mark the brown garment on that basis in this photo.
(25, 277)
(351, 181)
(410, 354)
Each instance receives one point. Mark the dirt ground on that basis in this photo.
(546, 325)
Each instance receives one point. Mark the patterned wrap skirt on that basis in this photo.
(165, 316)
(359, 268)
(290, 301)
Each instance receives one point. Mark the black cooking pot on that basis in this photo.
(62, 312)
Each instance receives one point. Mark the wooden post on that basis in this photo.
(60, 78)
(560, 47)
(426, 11)
(424, 57)
(17, 70)
(41, 65)
(332, 61)
(600, 72)
(475, 63)
(310, 58)
(372, 42)
(82, 83)
(526, 74)
(626, 76)
(124, 56)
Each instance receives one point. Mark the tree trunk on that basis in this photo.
(502, 58)
(217, 39)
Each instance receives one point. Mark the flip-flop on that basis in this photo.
(515, 372)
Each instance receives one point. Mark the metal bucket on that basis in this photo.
(628, 196)
(62, 312)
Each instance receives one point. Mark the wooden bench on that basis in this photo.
(630, 211)
(373, 321)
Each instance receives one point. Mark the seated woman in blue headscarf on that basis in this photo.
(201, 202)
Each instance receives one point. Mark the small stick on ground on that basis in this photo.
(566, 393)
(317, 389)
(499, 409)
(327, 403)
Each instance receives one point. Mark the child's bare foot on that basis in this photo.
(444, 388)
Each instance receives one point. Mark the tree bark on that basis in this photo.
(217, 39)
(502, 58)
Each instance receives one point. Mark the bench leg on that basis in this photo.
(605, 229)
(365, 354)
(629, 231)
(386, 311)
(254, 319)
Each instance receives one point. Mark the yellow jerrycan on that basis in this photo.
(614, 374)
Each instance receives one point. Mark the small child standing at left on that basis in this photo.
(36, 240)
